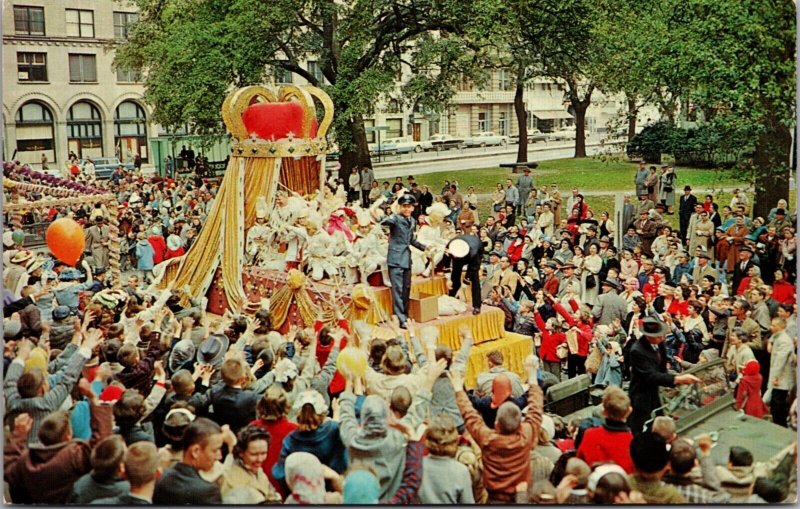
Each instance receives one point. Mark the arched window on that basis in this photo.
(130, 131)
(85, 130)
(35, 133)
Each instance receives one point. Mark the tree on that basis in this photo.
(193, 51)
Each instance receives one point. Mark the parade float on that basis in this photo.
(278, 152)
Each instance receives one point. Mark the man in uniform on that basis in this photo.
(472, 260)
(401, 236)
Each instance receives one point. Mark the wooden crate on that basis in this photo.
(423, 308)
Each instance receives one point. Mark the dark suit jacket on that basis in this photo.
(401, 235)
(687, 204)
(124, 499)
(648, 373)
(234, 407)
(182, 485)
(739, 274)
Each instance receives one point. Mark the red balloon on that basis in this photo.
(66, 241)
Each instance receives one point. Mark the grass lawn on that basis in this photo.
(587, 174)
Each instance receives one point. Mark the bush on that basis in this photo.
(706, 146)
(653, 141)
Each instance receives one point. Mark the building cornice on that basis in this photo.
(72, 42)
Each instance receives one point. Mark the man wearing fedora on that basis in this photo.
(702, 266)
(743, 265)
(568, 278)
(15, 276)
(648, 362)
(610, 306)
(97, 243)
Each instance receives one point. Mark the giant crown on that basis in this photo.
(265, 124)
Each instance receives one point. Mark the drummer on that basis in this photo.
(466, 249)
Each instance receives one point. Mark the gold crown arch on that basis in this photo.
(255, 168)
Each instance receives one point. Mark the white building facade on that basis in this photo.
(60, 93)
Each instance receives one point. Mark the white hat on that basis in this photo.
(364, 218)
(601, 471)
(174, 242)
(261, 208)
(8, 239)
(314, 398)
(284, 370)
(549, 426)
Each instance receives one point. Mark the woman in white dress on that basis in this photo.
(590, 284)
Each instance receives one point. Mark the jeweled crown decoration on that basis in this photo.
(265, 124)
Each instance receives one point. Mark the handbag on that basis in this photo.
(667, 189)
(591, 281)
(562, 351)
(572, 341)
(594, 360)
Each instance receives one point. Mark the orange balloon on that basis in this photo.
(66, 241)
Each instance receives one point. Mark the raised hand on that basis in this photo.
(456, 379)
(23, 423)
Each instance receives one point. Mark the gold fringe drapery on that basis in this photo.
(221, 240)
(301, 175)
(486, 326)
(436, 285)
(293, 291)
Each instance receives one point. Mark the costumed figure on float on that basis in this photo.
(434, 234)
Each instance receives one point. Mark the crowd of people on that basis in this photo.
(127, 396)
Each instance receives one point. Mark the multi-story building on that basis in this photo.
(60, 91)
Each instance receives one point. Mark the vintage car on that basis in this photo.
(446, 142)
(487, 139)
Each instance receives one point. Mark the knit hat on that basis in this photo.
(361, 487)
(36, 360)
(549, 426)
(11, 328)
(305, 477)
(501, 390)
(61, 312)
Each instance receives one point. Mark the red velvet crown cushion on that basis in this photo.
(275, 120)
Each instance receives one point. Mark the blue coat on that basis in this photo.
(401, 235)
(324, 443)
(144, 255)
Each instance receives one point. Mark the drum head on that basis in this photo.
(459, 248)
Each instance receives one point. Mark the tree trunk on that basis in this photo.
(580, 127)
(359, 154)
(522, 124)
(772, 165)
(633, 111)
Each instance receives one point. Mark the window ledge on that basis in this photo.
(84, 82)
(32, 82)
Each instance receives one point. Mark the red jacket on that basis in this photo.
(514, 251)
(159, 248)
(337, 383)
(783, 292)
(277, 432)
(550, 341)
(609, 442)
(174, 254)
(585, 329)
(551, 285)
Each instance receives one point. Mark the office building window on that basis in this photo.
(282, 75)
(483, 121)
(503, 80)
(129, 75)
(123, 22)
(395, 126)
(32, 66)
(28, 20)
(315, 70)
(82, 68)
(502, 124)
(80, 23)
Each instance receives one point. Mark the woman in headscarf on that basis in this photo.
(306, 477)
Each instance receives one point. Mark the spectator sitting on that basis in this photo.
(484, 381)
(608, 484)
(664, 426)
(738, 477)
(650, 461)
(105, 479)
(611, 441)
(502, 389)
(141, 470)
(576, 475)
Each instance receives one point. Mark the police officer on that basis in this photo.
(401, 236)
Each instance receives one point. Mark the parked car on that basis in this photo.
(487, 139)
(105, 166)
(565, 133)
(387, 146)
(534, 135)
(446, 142)
(405, 145)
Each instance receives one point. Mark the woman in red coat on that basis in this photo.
(782, 291)
(748, 393)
